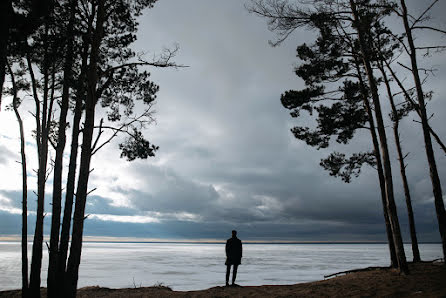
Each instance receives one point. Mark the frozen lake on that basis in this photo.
(199, 266)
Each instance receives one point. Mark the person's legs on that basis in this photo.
(228, 270)
(234, 273)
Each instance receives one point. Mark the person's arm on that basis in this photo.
(227, 248)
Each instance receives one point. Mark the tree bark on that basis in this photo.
(58, 162)
(47, 109)
(399, 248)
(84, 171)
(36, 261)
(435, 179)
(24, 189)
(24, 211)
(396, 121)
(379, 169)
(415, 105)
(71, 178)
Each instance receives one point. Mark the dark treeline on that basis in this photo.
(72, 58)
(353, 55)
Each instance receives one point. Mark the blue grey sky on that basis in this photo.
(227, 158)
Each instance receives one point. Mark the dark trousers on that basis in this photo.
(234, 272)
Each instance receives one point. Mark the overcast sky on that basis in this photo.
(227, 158)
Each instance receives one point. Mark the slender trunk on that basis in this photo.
(415, 105)
(36, 261)
(69, 196)
(435, 179)
(379, 168)
(71, 277)
(396, 122)
(437, 138)
(382, 184)
(36, 101)
(58, 163)
(84, 171)
(24, 189)
(399, 248)
(24, 210)
(39, 150)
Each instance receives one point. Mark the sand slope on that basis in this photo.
(424, 280)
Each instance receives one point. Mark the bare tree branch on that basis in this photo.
(163, 61)
(99, 134)
(411, 101)
(420, 18)
(429, 28)
(431, 47)
(143, 119)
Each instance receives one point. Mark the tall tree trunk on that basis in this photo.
(379, 168)
(84, 171)
(58, 163)
(399, 248)
(71, 178)
(415, 105)
(24, 210)
(24, 189)
(47, 109)
(396, 122)
(36, 261)
(69, 198)
(435, 179)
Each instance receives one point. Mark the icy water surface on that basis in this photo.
(200, 266)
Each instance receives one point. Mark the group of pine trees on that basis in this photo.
(73, 59)
(354, 58)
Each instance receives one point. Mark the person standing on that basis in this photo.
(233, 256)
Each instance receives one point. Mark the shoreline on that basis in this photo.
(90, 239)
(426, 279)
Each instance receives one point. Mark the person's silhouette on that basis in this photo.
(233, 256)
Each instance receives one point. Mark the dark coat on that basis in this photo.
(233, 251)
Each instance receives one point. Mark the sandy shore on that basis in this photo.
(424, 280)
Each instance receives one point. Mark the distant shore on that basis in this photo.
(104, 239)
(426, 279)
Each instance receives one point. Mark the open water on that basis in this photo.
(199, 266)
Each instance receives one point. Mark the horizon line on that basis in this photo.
(113, 239)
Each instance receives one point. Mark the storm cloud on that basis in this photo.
(227, 158)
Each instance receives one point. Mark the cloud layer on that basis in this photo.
(227, 158)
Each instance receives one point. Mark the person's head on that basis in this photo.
(234, 233)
